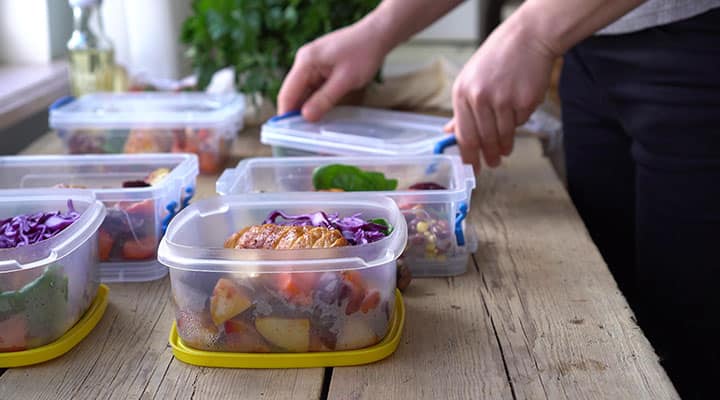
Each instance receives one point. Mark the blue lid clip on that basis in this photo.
(61, 102)
(289, 114)
(459, 217)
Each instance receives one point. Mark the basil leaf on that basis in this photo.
(350, 179)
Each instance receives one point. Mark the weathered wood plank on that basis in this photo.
(564, 327)
(127, 357)
(539, 290)
(187, 382)
(448, 351)
(117, 360)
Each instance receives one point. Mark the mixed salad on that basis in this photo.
(129, 231)
(38, 305)
(430, 234)
(284, 311)
(211, 148)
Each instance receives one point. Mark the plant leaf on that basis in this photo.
(350, 179)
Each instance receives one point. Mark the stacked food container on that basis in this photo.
(50, 296)
(402, 146)
(432, 191)
(142, 192)
(243, 284)
(356, 131)
(239, 290)
(199, 123)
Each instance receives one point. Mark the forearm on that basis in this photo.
(560, 24)
(397, 20)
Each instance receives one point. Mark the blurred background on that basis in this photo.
(157, 43)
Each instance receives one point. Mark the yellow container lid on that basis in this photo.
(65, 343)
(295, 360)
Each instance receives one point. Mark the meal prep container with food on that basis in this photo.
(439, 242)
(136, 216)
(200, 123)
(288, 301)
(356, 131)
(46, 287)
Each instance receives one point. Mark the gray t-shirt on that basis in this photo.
(658, 12)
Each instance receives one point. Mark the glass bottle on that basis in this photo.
(92, 58)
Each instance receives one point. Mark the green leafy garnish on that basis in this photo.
(350, 179)
(381, 221)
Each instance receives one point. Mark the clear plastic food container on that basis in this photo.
(46, 287)
(439, 241)
(198, 123)
(355, 131)
(136, 216)
(268, 300)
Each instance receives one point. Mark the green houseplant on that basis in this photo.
(260, 37)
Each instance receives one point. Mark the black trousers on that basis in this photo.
(641, 116)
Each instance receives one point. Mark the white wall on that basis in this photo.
(24, 37)
(461, 25)
(146, 35)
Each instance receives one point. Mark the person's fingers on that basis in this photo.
(467, 134)
(320, 102)
(505, 118)
(522, 115)
(294, 88)
(485, 122)
(450, 126)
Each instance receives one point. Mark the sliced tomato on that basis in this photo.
(105, 245)
(355, 285)
(297, 287)
(209, 162)
(13, 333)
(144, 208)
(371, 301)
(142, 249)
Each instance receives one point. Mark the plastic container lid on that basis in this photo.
(191, 240)
(262, 173)
(98, 170)
(357, 131)
(24, 201)
(148, 111)
(382, 350)
(66, 343)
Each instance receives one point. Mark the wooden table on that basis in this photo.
(537, 315)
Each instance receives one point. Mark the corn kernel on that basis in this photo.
(422, 227)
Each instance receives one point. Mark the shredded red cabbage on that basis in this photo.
(355, 229)
(24, 230)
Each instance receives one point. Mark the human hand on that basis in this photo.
(329, 67)
(496, 91)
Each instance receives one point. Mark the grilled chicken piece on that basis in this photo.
(277, 237)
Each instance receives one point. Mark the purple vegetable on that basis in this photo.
(24, 230)
(427, 186)
(354, 229)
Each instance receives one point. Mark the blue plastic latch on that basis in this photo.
(444, 144)
(439, 149)
(289, 114)
(189, 193)
(459, 217)
(61, 102)
(172, 211)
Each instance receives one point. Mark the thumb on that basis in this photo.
(327, 96)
